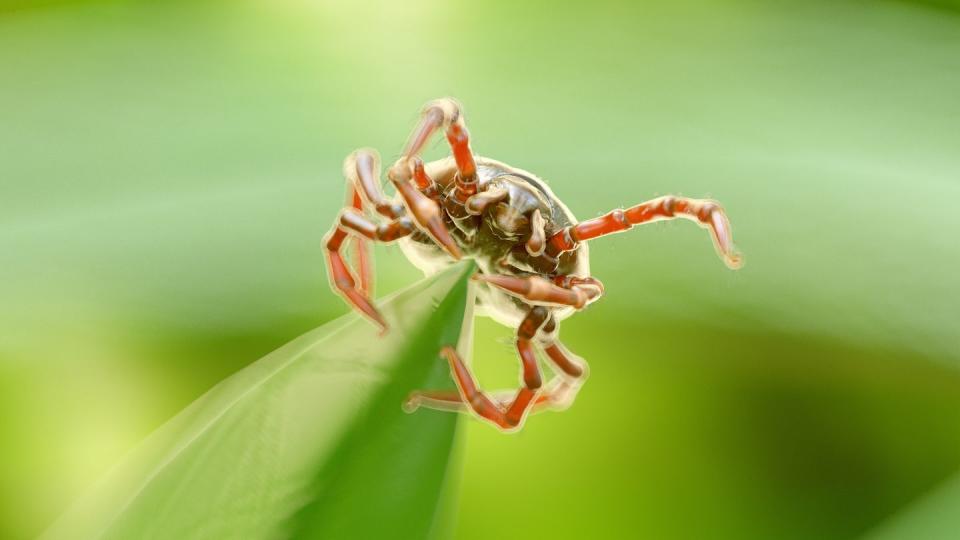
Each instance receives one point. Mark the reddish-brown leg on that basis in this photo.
(361, 252)
(564, 290)
(424, 183)
(557, 394)
(441, 400)
(706, 213)
(351, 220)
(426, 212)
(362, 170)
(343, 281)
(357, 223)
(505, 414)
(505, 417)
(446, 113)
(569, 363)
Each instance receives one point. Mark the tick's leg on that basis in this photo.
(426, 212)
(441, 400)
(351, 221)
(706, 213)
(424, 183)
(506, 414)
(362, 255)
(557, 394)
(563, 291)
(423, 200)
(342, 279)
(570, 364)
(362, 169)
(355, 222)
(563, 389)
(444, 113)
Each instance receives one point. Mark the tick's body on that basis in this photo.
(530, 251)
(493, 251)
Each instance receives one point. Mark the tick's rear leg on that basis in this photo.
(507, 409)
(501, 408)
(563, 389)
(706, 213)
(507, 414)
(558, 394)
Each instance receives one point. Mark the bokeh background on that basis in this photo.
(167, 171)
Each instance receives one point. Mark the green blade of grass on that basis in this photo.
(309, 441)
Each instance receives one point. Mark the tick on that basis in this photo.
(531, 254)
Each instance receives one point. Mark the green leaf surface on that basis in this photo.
(933, 517)
(309, 441)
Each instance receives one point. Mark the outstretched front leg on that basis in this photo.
(442, 113)
(706, 213)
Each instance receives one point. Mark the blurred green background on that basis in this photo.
(167, 171)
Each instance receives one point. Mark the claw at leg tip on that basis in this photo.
(453, 250)
(411, 404)
(381, 324)
(734, 261)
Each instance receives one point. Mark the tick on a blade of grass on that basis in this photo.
(530, 251)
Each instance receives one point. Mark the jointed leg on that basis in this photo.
(426, 212)
(362, 228)
(569, 363)
(706, 213)
(504, 413)
(362, 255)
(505, 406)
(423, 199)
(442, 113)
(424, 183)
(564, 290)
(559, 394)
(504, 416)
(362, 169)
(387, 232)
